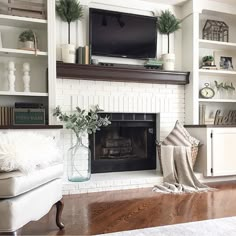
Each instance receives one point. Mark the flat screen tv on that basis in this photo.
(118, 34)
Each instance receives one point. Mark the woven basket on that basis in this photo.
(194, 152)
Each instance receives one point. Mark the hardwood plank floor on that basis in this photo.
(105, 212)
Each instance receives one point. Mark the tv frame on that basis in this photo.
(116, 55)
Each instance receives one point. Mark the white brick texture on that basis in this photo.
(167, 100)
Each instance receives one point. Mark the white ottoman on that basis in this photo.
(25, 198)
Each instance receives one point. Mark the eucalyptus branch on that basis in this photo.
(81, 121)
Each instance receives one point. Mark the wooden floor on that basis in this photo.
(97, 213)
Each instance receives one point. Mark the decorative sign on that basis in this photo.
(227, 119)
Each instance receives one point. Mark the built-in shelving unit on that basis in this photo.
(217, 100)
(217, 72)
(30, 94)
(209, 44)
(196, 48)
(9, 52)
(42, 63)
(22, 22)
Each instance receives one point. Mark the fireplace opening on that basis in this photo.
(127, 144)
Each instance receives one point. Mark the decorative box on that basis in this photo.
(24, 116)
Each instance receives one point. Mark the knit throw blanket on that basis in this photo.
(177, 172)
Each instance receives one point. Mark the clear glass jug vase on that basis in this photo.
(79, 162)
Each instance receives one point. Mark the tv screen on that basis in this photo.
(119, 34)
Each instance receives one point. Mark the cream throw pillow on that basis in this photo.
(179, 136)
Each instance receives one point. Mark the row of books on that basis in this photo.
(83, 55)
(6, 116)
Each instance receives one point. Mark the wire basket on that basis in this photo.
(194, 152)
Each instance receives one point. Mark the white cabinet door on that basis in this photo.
(224, 152)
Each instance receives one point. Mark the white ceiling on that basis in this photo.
(180, 2)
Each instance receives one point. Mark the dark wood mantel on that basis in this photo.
(122, 74)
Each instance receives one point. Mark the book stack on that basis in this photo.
(83, 55)
(6, 116)
(209, 67)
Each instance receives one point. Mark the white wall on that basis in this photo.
(80, 29)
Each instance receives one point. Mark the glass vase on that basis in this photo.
(79, 162)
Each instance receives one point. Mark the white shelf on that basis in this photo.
(29, 94)
(23, 22)
(212, 100)
(203, 43)
(217, 72)
(20, 53)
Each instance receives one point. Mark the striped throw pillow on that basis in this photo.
(179, 136)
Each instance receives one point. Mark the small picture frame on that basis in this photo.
(224, 60)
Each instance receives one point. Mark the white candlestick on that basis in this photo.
(11, 76)
(26, 77)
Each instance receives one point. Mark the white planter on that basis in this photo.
(68, 53)
(29, 45)
(168, 61)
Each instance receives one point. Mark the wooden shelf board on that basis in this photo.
(217, 100)
(23, 22)
(203, 43)
(29, 94)
(31, 127)
(217, 72)
(20, 53)
(124, 74)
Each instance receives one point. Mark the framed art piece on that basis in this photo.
(225, 60)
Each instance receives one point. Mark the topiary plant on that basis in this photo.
(69, 11)
(167, 24)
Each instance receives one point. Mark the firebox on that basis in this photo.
(127, 144)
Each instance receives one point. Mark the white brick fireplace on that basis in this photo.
(166, 100)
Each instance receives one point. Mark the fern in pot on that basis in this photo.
(69, 11)
(82, 123)
(168, 24)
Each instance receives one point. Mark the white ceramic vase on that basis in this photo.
(68, 53)
(168, 61)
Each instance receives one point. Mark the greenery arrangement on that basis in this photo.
(27, 35)
(69, 11)
(168, 24)
(208, 59)
(81, 121)
(224, 86)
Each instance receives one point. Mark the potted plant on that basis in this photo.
(168, 24)
(207, 60)
(81, 123)
(69, 11)
(29, 40)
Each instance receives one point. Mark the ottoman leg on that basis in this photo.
(60, 206)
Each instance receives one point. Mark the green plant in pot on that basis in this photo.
(207, 60)
(167, 24)
(69, 11)
(82, 123)
(29, 40)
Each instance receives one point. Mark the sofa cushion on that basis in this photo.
(15, 183)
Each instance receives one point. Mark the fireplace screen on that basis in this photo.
(127, 144)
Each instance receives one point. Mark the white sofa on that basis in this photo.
(25, 198)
